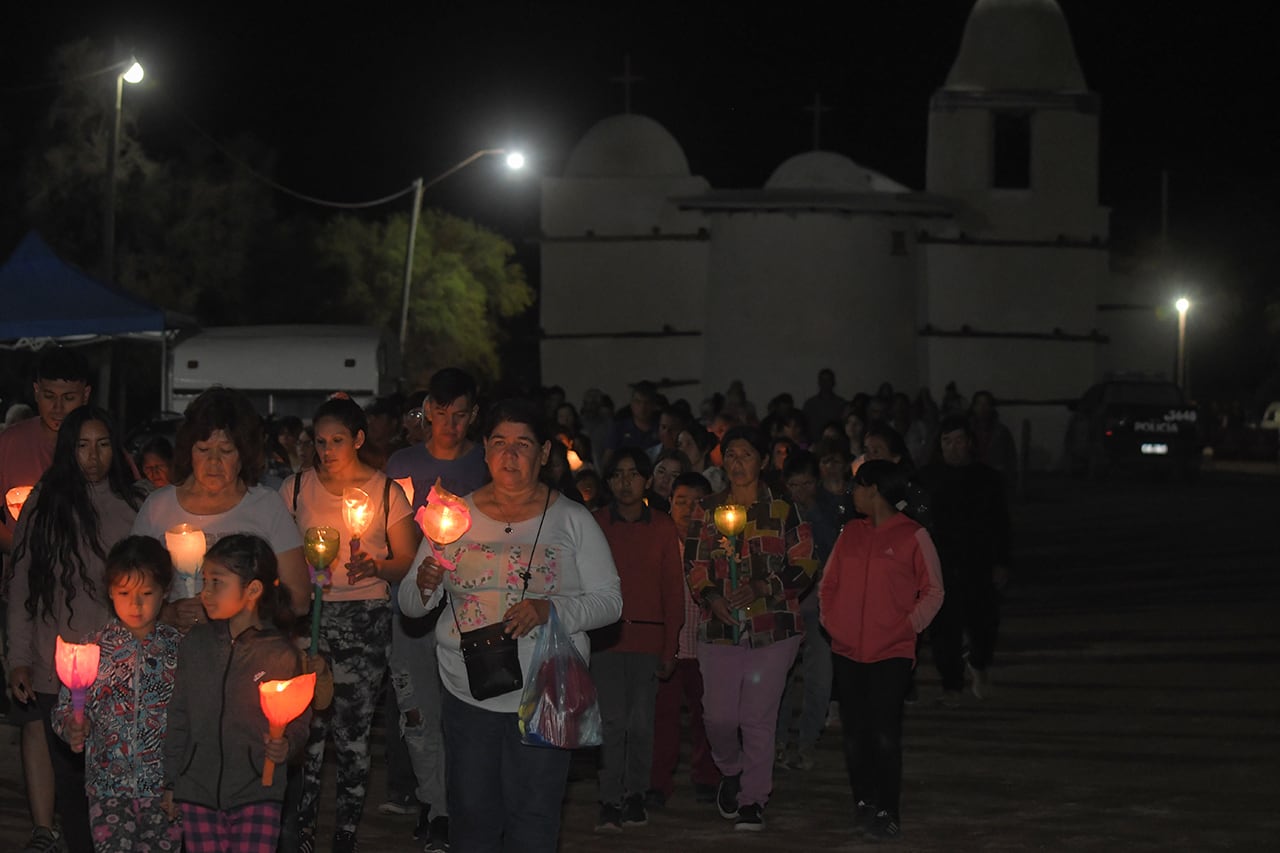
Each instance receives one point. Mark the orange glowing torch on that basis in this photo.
(444, 519)
(283, 702)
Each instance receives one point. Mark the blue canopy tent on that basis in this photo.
(44, 300)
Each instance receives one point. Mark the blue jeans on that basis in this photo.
(415, 678)
(504, 797)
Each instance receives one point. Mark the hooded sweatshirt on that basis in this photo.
(214, 750)
(881, 587)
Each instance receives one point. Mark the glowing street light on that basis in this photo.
(133, 73)
(1182, 305)
(515, 161)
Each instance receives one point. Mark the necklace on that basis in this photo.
(507, 529)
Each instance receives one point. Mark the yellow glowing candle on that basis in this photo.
(731, 519)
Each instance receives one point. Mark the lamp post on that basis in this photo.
(132, 74)
(515, 161)
(1182, 305)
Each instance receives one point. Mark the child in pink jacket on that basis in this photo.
(881, 587)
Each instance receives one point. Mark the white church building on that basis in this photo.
(995, 276)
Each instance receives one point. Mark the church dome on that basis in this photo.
(1016, 46)
(829, 171)
(627, 146)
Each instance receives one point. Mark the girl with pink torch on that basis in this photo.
(114, 703)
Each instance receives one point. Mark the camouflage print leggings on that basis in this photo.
(354, 639)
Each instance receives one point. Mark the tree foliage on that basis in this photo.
(464, 286)
(199, 234)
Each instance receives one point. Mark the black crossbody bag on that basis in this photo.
(491, 654)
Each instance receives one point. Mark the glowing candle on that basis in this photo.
(731, 520)
(444, 519)
(77, 666)
(15, 498)
(319, 546)
(186, 546)
(282, 703)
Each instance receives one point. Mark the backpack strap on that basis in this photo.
(386, 514)
(297, 485)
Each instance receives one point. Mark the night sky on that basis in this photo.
(359, 102)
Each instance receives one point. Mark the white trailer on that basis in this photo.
(287, 369)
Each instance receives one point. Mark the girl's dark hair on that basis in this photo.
(157, 445)
(345, 412)
(250, 558)
(221, 409)
(888, 477)
(702, 438)
(138, 555)
(897, 445)
(517, 410)
(801, 462)
(64, 516)
(675, 456)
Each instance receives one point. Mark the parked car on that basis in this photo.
(1271, 417)
(1134, 422)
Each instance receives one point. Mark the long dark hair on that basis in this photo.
(250, 558)
(64, 517)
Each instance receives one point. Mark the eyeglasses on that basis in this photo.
(416, 415)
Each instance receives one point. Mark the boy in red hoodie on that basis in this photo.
(630, 656)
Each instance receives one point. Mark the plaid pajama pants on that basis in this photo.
(253, 828)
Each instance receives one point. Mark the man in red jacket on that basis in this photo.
(629, 657)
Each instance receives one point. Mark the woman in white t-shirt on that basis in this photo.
(355, 623)
(217, 460)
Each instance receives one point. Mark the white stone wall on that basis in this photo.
(794, 292)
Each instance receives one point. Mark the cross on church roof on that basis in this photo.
(817, 109)
(626, 79)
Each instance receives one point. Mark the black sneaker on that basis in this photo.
(610, 818)
(633, 812)
(750, 818)
(655, 799)
(43, 840)
(727, 796)
(863, 816)
(438, 836)
(344, 842)
(884, 827)
(422, 831)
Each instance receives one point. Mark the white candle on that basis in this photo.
(186, 546)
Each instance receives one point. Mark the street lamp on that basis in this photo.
(1182, 305)
(131, 74)
(515, 161)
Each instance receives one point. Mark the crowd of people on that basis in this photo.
(750, 568)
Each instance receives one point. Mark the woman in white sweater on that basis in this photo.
(528, 547)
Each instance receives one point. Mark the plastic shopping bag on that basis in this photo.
(558, 707)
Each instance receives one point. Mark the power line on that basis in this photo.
(341, 205)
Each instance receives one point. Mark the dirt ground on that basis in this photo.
(1136, 701)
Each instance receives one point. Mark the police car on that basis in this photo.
(1134, 421)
